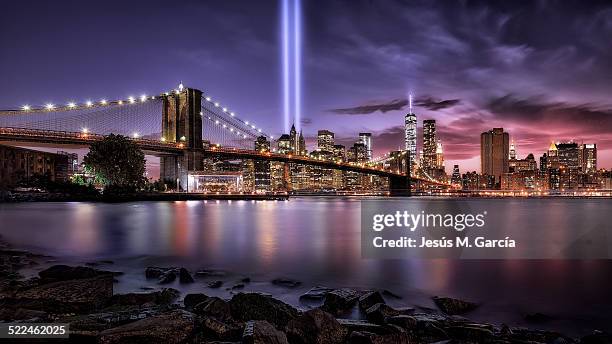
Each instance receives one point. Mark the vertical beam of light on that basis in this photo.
(285, 38)
(297, 63)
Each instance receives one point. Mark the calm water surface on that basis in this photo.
(317, 241)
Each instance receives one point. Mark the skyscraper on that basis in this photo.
(410, 132)
(325, 140)
(430, 144)
(512, 151)
(494, 152)
(589, 158)
(456, 176)
(439, 155)
(366, 139)
(261, 167)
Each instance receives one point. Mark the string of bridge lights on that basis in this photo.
(142, 99)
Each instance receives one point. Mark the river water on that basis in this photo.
(317, 242)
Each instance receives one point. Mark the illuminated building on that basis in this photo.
(439, 156)
(261, 168)
(339, 153)
(410, 133)
(284, 145)
(589, 158)
(456, 176)
(21, 164)
(494, 152)
(512, 151)
(570, 164)
(429, 144)
(366, 139)
(325, 140)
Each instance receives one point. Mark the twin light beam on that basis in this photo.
(292, 62)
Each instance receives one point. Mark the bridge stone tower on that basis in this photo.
(182, 124)
(400, 185)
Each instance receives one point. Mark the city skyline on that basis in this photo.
(474, 66)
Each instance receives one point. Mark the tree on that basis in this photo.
(118, 162)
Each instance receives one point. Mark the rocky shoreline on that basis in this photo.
(83, 297)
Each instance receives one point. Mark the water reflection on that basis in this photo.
(318, 241)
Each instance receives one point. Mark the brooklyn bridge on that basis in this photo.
(182, 127)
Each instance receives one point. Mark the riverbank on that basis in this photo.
(12, 197)
(85, 297)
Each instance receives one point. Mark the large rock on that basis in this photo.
(76, 296)
(214, 307)
(371, 338)
(65, 273)
(404, 321)
(470, 333)
(173, 327)
(191, 300)
(185, 276)
(340, 301)
(316, 294)
(315, 327)
(163, 297)
(378, 313)
(226, 330)
(452, 306)
(353, 325)
(262, 332)
(256, 306)
(369, 299)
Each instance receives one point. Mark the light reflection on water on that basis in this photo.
(317, 241)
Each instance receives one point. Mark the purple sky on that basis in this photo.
(540, 69)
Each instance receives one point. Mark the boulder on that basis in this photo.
(226, 330)
(172, 327)
(65, 273)
(315, 327)
(369, 299)
(163, 297)
(316, 294)
(167, 277)
(76, 296)
(353, 325)
(452, 306)
(404, 321)
(371, 338)
(256, 306)
(213, 307)
(262, 332)
(155, 271)
(379, 312)
(215, 284)
(285, 282)
(470, 333)
(597, 337)
(185, 276)
(191, 300)
(339, 301)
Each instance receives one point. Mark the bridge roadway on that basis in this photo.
(157, 147)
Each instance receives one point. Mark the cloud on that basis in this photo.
(306, 121)
(395, 104)
(434, 104)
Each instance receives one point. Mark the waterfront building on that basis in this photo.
(439, 156)
(589, 158)
(430, 144)
(494, 152)
(284, 144)
(325, 140)
(456, 176)
(570, 164)
(261, 168)
(519, 165)
(21, 165)
(366, 139)
(410, 135)
(339, 153)
(512, 151)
